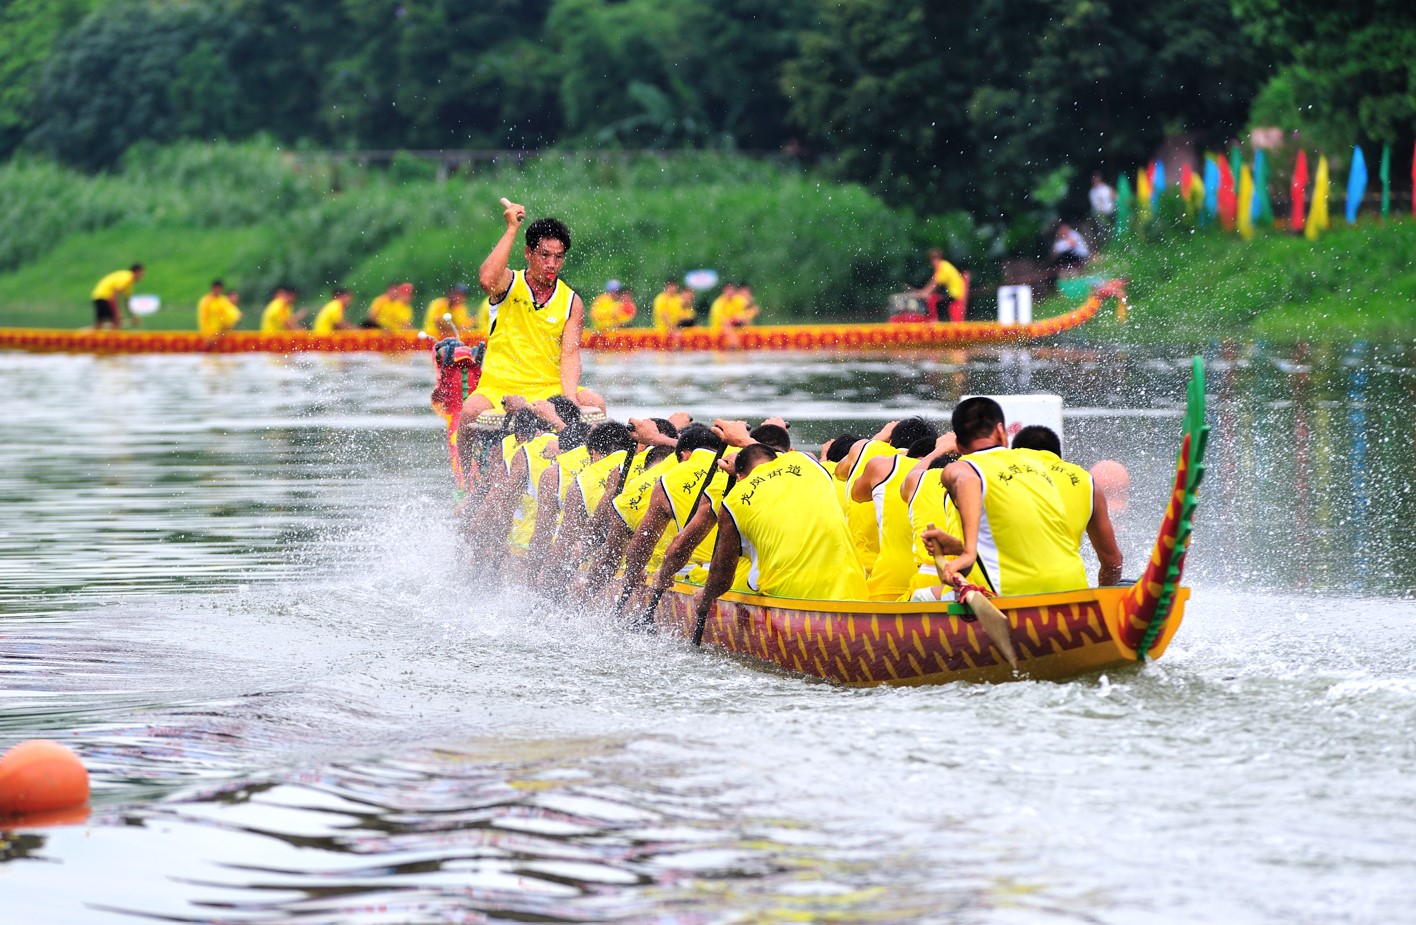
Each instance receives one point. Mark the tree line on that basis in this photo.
(996, 107)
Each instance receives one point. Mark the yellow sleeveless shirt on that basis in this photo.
(633, 503)
(524, 521)
(792, 532)
(524, 346)
(595, 478)
(860, 515)
(895, 565)
(1025, 542)
(1074, 484)
(568, 465)
(930, 505)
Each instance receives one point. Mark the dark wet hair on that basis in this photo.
(217, 282)
(939, 462)
(543, 228)
(573, 436)
(657, 455)
(697, 437)
(608, 438)
(524, 424)
(773, 435)
(974, 418)
(665, 427)
(911, 430)
(136, 268)
(840, 447)
(566, 409)
(1037, 437)
(752, 455)
(921, 448)
(340, 292)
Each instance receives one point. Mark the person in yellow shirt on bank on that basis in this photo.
(613, 308)
(116, 285)
(435, 320)
(331, 317)
(217, 312)
(280, 315)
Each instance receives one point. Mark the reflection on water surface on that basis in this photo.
(230, 584)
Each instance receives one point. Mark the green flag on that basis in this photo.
(1385, 174)
(1263, 206)
(1236, 162)
(1125, 204)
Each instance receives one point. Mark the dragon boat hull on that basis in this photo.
(1055, 636)
(829, 337)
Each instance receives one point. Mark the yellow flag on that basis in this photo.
(1318, 211)
(1246, 203)
(1143, 192)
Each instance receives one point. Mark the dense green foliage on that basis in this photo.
(259, 218)
(1352, 282)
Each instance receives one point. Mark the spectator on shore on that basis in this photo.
(1103, 201)
(118, 284)
(1069, 251)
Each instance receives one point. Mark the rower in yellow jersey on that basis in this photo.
(1083, 499)
(331, 316)
(861, 515)
(612, 309)
(216, 311)
(392, 311)
(435, 320)
(280, 315)
(116, 285)
(782, 515)
(533, 347)
(1013, 521)
(885, 479)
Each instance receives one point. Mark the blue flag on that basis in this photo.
(1356, 184)
(1211, 190)
(1158, 186)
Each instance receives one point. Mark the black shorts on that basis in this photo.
(105, 311)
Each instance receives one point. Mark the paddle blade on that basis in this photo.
(994, 623)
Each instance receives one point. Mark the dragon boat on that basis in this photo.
(1055, 636)
(827, 337)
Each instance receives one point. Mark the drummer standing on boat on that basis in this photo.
(533, 347)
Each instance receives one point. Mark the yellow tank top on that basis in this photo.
(523, 523)
(524, 346)
(636, 468)
(1074, 484)
(276, 317)
(895, 566)
(860, 515)
(792, 532)
(330, 315)
(682, 484)
(568, 465)
(441, 306)
(1025, 543)
(595, 478)
(633, 503)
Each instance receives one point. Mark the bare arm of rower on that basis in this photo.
(570, 349)
(963, 485)
(547, 506)
(875, 472)
(495, 276)
(724, 565)
(1103, 540)
(641, 547)
(681, 549)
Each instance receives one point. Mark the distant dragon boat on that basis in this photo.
(821, 337)
(1056, 636)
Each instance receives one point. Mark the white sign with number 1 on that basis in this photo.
(1015, 305)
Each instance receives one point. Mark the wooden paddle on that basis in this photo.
(994, 623)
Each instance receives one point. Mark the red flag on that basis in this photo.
(1228, 202)
(1150, 174)
(1299, 192)
(1185, 180)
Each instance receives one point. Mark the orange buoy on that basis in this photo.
(40, 776)
(1114, 481)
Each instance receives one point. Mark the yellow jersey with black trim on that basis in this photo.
(1025, 541)
(523, 522)
(119, 281)
(931, 505)
(568, 465)
(895, 565)
(681, 485)
(633, 502)
(329, 317)
(595, 479)
(1075, 486)
(860, 515)
(792, 532)
(524, 346)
